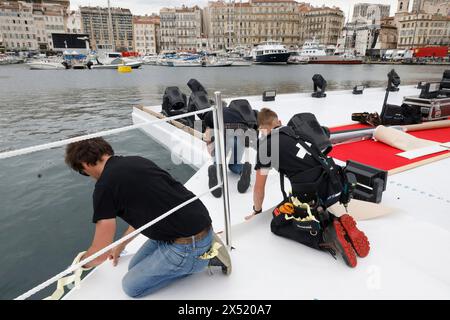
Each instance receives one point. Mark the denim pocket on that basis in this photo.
(174, 254)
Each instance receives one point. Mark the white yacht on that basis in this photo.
(211, 62)
(113, 60)
(47, 64)
(317, 54)
(150, 59)
(270, 52)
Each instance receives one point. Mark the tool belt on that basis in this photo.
(295, 220)
(199, 236)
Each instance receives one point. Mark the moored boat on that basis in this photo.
(270, 52)
(317, 54)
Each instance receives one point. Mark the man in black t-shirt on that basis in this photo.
(286, 154)
(138, 191)
(235, 143)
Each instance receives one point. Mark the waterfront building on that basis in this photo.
(181, 28)
(364, 10)
(370, 33)
(73, 23)
(324, 24)
(105, 33)
(145, 34)
(247, 24)
(423, 29)
(49, 18)
(428, 24)
(441, 7)
(229, 25)
(17, 26)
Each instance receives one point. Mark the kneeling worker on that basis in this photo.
(303, 217)
(238, 117)
(138, 191)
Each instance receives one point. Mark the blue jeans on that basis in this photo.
(237, 147)
(159, 263)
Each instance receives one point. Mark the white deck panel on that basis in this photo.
(410, 248)
(409, 259)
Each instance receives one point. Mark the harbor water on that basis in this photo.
(46, 209)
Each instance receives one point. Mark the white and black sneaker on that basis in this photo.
(223, 258)
(244, 181)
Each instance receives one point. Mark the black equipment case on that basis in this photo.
(431, 109)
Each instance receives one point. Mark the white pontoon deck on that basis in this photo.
(410, 253)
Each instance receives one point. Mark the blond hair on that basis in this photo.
(266, 117)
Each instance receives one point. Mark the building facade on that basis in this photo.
(17, 26)
(324, 24)
(145, 34)
(73, 23)
(422, 29)
(370, 33)
(49, 17)
(388, 34)
(441, 7)
(428, 24)
(229, 25)
(364, 10)
(105, 33)
(181, 28)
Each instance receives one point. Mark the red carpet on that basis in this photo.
(380, 155)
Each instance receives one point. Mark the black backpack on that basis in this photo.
(326, 182)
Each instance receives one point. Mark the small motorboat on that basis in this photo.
(213, 62)
(48, 65)
(114, 64)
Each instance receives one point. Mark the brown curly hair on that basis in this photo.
(88, 151)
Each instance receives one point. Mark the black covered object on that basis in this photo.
(196, 86)
(243, 107)
(306, 125)
(393, 81)
(319, 82)
(198, 99)
(174, 101)
(174, 104)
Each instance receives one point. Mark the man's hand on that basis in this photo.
(248, 218)
(115, 254)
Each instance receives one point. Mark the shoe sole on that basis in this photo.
(344, 247)
(244, 181)
(223, 256)
(357, 238)
(212, 175)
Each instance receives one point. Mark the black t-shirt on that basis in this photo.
(230, 116)
(138, 191)
(283, 153)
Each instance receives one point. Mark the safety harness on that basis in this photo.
(325, 180)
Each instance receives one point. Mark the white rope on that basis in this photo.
(108, 248)
(46, 146)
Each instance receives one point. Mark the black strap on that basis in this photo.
(319, 157)
(285, 197)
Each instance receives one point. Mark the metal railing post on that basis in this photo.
(221, 163)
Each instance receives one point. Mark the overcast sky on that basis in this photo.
(142, 7)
